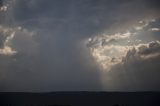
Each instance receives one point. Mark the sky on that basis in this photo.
(79, 45)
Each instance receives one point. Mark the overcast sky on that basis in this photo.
(79, 45)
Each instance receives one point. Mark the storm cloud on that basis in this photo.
(52, 42)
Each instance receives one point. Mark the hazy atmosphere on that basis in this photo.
(79, 45)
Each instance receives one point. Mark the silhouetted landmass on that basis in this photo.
(80, 99)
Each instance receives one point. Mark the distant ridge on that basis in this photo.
(81, 98)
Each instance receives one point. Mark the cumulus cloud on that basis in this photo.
(3, 8)
(138, 71)
(143, 51)
(152, 48)
(7, 51)
(123, 61)
(109, 50)
(6, 35)
(16, 40)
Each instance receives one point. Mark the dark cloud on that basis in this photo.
(153, 47)
(154, 4)
(83, 18)
(51, 54)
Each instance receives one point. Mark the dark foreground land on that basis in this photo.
(80, 99)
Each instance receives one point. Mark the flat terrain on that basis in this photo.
(80, 99)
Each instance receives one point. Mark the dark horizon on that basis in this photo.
(81, 99)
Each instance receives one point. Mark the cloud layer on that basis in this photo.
(57, 45)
